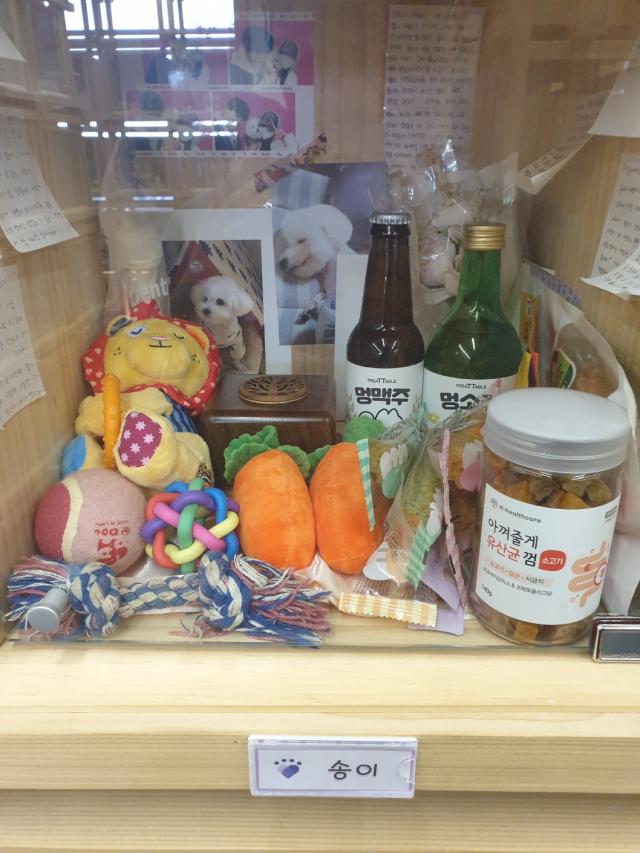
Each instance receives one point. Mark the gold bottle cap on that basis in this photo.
(484, 237)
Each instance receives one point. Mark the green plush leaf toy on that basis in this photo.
(243, 448)
(316, 455)
(299, 457)
(246, 446)
(361, 426)
(267, 436)
(240, 455)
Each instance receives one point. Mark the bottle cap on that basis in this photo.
(556, 430)
(484, 237)
(392, 217)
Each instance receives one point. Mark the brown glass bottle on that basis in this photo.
(385, 349)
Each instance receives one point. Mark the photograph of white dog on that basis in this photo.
(218, 284)
(220, 303)
(319, 213)
(310, 240)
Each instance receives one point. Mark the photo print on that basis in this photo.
(275, 49)
(246, 120)
(253, 96)
(216, 281)
(319, 213)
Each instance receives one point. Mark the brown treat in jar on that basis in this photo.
(598, 492)
(525, 632)
(532, 563)
(503, 625)
(563, 634)
(553, 501)
(574, 487)
(496, 621)
(500, 473)
(519, 491)
(541, 488)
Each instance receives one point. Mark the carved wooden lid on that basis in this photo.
(270, 390)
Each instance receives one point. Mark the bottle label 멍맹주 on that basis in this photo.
(541, 564)
(388, 396)
(444, 395)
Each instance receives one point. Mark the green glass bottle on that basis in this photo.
(475, 352)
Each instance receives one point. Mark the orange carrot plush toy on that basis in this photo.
(282, 521)
(277, 516)
(343, 537)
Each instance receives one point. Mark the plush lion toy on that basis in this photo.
(167, 369)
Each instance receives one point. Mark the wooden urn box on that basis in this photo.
(300, 407)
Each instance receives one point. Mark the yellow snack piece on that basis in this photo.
(525, 632)
(519, 491)
(598, 492)
(574, 487)
(569, 501)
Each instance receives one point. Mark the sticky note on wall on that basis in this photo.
(29, 214)
(20, 382)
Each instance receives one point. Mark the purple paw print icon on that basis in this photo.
(288, 767)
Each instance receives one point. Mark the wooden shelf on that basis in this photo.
(232, 822)
(489, 719)
(519, 749)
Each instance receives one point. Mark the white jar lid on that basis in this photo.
(555, 430)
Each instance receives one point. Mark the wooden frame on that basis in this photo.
(129, 746)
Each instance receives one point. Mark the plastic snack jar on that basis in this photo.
(553, 466)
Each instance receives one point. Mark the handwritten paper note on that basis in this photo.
(620, 115)
(432, 55)
(538, 173)
(621, 230)
(623, 280)
(29, 214)
(20, 382)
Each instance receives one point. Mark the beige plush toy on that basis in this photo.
(167, 369)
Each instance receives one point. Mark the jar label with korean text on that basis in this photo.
(543, 565)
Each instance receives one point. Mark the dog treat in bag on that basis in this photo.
(438, 497)
(553, 468)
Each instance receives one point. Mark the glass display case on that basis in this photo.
(198, 180)
(318, 325)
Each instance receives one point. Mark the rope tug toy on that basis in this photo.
(178, 508)
(246, 595)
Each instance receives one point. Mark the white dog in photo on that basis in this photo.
(321, 310)
(308, 242)
(218, 302)
(252, 136)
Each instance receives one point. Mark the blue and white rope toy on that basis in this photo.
(246, 595)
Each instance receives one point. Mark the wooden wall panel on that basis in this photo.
(538, 60)
(63, 295)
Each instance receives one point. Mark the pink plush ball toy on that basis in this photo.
(93, 515)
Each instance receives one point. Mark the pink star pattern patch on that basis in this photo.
(140, 438)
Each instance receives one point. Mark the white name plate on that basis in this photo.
(332, 767)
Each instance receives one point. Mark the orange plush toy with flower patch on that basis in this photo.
(167, 370)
